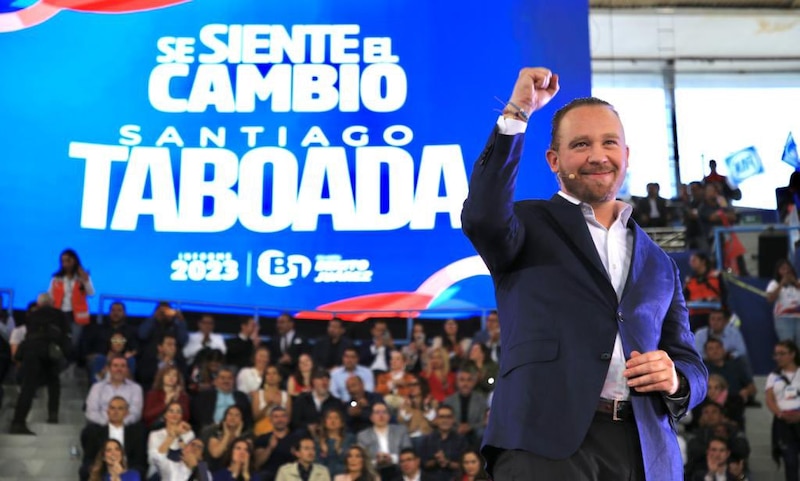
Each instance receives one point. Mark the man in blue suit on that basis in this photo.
(598, 360)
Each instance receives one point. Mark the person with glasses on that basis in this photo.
(441, 449)
(783, 400)
(383, 441)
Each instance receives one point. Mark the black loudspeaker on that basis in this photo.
(772, 246)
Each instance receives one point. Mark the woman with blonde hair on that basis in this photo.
(441, 380)
(270, 396)
(110, 464)
(357, 466)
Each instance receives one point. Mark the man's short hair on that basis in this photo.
(408, 451)
(320, 373)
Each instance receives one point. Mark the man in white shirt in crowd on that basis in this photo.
(204, 338)
(720, 328)
(349, 368)
(132, 438)
(116, 384)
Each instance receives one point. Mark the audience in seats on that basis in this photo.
(383, 441)
(441, 380)
(441, 450)
(375, 353)
(357, 466)
(116, 384)
(469, 408)
(164, 445)
(165, 321)
(116, 347)
(219, 437)
(783, 401)
(274, 449)
(333, 442)
(239, 463)
(267, 398)
(300, 380)
(454, 344)
(483, 367)
(304, 469)
(418, 410)
(490, 337)
(307, 408)
(167, 388)
(204, 339)
(359, 408)
(132, 438)
(208, 407)
(329, 349)
(737, 373)
(111, 465)
(410, 467)
(167, 354)
(417, 350)
(349, 368)
(205, 370)
(784, 291)
(651, 211)
(702, 285)
(471, 467)
(251, 377)
(393, 385)
(713, 424)
(69, 288)
(97, 338)
(720, 327)
(287, 344)
(239, 349)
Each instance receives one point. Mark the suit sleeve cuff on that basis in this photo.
(509, 126)
(678, 403)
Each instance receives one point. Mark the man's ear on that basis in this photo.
(552, 160)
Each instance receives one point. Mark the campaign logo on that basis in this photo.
(21, 14)
(280, 270)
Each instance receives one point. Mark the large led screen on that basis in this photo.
(301, 155)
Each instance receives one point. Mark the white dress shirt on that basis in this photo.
(195, 344)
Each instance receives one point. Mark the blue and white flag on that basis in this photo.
(743, 164)
(790, 152)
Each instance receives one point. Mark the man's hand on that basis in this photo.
(652, 371)
(535, 87)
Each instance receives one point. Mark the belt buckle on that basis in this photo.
(615, 411)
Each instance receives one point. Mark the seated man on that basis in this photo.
(305, 468)
(410, 467)
(167, 354)
(350, 367)
(274, 449)
(204, 339)
(359, 409)
(469, 408)
(132, 438)
(307, 408)
(329, 349)
(738, 375)
(115, 384)
(208, 407)
(239, 349)
(441, 450)
(96, 337)
(719, 327)
(189, 467)
(384, 441)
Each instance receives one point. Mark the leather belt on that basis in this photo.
(618, 410)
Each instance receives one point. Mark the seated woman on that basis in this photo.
(238, 463)
(471, 467)
(110, 464)
(300, 381)
(168, 387)
(164, 443)
(116, 347)
(441, 380)
(250, 379)
(454, 344)
(333, 442)
(481, 363)
(219, 437)
(392, 385)
(418, 411)
(263, 400)
(357, 466)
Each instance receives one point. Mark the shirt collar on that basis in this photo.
(622, 210)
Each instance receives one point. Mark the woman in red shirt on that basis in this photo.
(441, 380)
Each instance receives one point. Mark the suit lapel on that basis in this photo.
(571, 220)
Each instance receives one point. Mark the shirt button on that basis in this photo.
(605, 356)
(619, 316)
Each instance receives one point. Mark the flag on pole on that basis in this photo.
(790, 152)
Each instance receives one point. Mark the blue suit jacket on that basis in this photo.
(560, 315)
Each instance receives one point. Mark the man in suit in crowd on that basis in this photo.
(441, 450)
(167, 354)
(410, 467)
(383, 441)
(94, 436)
(240, 349)
(469, 407)
(307, 408)
(305, 469)
(597, 350)
(287, 344)
(208, 407)
(46, 328)
(329, 349)
(490, 337)
(651, 211)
